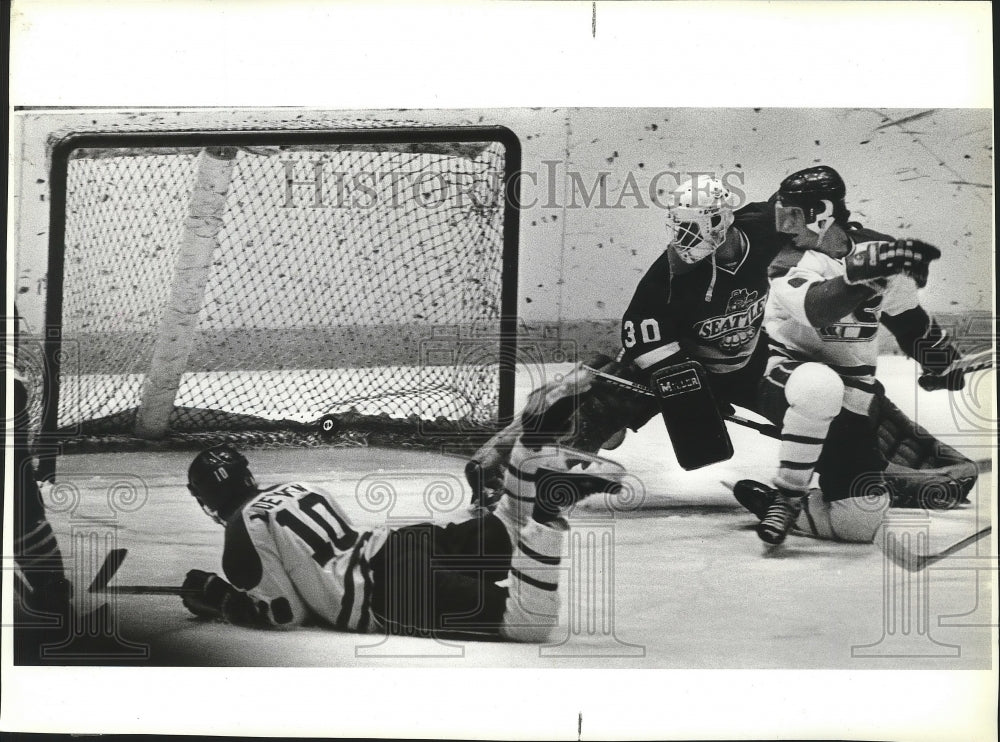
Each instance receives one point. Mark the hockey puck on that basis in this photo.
(329, 425)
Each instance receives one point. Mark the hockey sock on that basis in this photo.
(518, 499)
(814, 393)
(532, 609)
(802, 439)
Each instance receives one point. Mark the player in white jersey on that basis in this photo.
(829, 294)
(292, 555)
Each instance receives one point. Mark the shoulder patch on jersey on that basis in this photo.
(240, 560)
(784, 261)
(796, 282)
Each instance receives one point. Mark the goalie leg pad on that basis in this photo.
(691, 414)
(923, 472)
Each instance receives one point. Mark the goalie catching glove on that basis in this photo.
(871, 261)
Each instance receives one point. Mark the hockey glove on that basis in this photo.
(874, 260)
(953, 381)
(205, 593)
(939, 358)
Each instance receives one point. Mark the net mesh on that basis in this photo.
(357, 280)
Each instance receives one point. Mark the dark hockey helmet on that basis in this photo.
(220, 480)
(810, 188)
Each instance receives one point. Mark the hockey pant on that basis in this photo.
(442, 580)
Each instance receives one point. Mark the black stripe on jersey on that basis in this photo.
(548, 586)
(528, 551)
(366, 573)
(779, 348)
(865, 386)
(792, 438)
(240, 561)
(853, 370)
(781, 373)
(347, 604)
(522, 475)
(797, 465)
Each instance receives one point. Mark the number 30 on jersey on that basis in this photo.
(649, 332)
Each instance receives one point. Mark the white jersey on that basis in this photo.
(292, 548)
(848, 346)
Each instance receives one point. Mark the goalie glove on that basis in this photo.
(871, 261)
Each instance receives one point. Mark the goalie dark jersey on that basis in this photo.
(673, 309)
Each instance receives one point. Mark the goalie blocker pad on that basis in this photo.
(697, 430)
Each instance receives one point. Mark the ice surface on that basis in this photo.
(692, 585)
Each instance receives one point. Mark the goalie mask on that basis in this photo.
(698, 219)
(220, 480)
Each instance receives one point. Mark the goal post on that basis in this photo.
(241, 285)
(176, 334)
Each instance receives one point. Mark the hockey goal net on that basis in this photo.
(217, 285)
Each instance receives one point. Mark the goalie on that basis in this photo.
(692, 333)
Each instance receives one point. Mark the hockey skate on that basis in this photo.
(780, 517)
(754, 496)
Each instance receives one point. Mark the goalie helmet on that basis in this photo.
(818, 193)
(220, 480)
(698, 219)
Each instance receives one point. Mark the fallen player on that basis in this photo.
(292, 556)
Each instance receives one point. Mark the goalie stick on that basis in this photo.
(768, 429)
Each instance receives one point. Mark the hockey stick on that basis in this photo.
(913, 562)
(111, 564)
(765, 428)
(768, 429)
(930, 382)
(149, 590)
